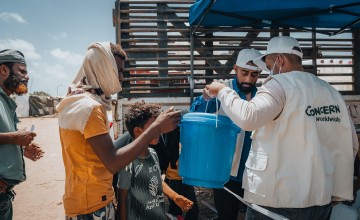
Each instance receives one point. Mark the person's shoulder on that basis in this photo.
(152, 151)
(75, 112)
(77, 103)
(128, 169)
(153, 154)
(123, 140)
(89, 101)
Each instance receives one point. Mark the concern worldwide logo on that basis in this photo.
(324, 113)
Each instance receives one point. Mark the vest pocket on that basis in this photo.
(254, 177)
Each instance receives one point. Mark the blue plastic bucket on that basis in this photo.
(207, 151)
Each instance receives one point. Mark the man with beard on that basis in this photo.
(247, 73)
(14, 143)
(303, 141)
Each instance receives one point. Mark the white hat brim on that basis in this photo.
(260, 63)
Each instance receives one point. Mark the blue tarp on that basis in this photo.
(276, 13)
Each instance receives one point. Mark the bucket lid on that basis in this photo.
(208, 119)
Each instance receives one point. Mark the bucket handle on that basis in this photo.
(260, 209)
(217, 112)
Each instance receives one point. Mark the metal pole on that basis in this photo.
(356, 60)
(191, 81)
(314, 52)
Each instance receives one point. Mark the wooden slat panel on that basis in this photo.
(158, 1)
(178, 58)
(152, 20)
(153, 7)
(144, 17)
(156, 36)
(154, 11)
(179, 68)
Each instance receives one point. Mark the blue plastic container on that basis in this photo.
(207, 151)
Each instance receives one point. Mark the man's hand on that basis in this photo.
(168, 120)
(33, 152)
(184, 203)
(205, 95)
(213, 89)
(22, 137)
(3, 186)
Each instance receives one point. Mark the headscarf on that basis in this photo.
(99, 70)
(12, 56)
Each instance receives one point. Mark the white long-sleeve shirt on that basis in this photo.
(266, 106)
(299, 157)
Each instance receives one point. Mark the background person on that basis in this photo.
(244, 84)
(14, 143)
(304, 141)
(171, 142)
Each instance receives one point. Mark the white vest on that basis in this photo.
(239, 140)
(305, 156)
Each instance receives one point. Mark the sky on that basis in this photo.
(54, 36)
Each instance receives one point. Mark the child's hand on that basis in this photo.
(184, 203)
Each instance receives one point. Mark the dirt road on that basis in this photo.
(40, 196)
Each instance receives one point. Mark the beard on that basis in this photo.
(246, 87)
(16, 84)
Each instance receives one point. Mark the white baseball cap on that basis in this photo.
(248, 55)
(281, 44)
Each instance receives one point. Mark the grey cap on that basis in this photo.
(12, 56)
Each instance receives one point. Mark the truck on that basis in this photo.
(170, 61)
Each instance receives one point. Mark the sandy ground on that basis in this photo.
(40, 196)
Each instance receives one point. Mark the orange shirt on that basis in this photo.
(88, 185)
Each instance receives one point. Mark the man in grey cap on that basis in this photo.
(14, 143)
(244, 84)
(303, 141)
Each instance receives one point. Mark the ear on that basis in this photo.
(281, 60)
(4, 70)
(137, 131)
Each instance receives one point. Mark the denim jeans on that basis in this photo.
(105, 213)
(313, 213)
(6, 208)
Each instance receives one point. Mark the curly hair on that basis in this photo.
(138, 115)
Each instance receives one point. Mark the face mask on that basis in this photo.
(273, 67)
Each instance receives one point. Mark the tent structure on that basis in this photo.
(299, 14)
(330, 17)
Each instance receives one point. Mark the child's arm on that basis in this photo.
(181, 201)
(121, 207)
